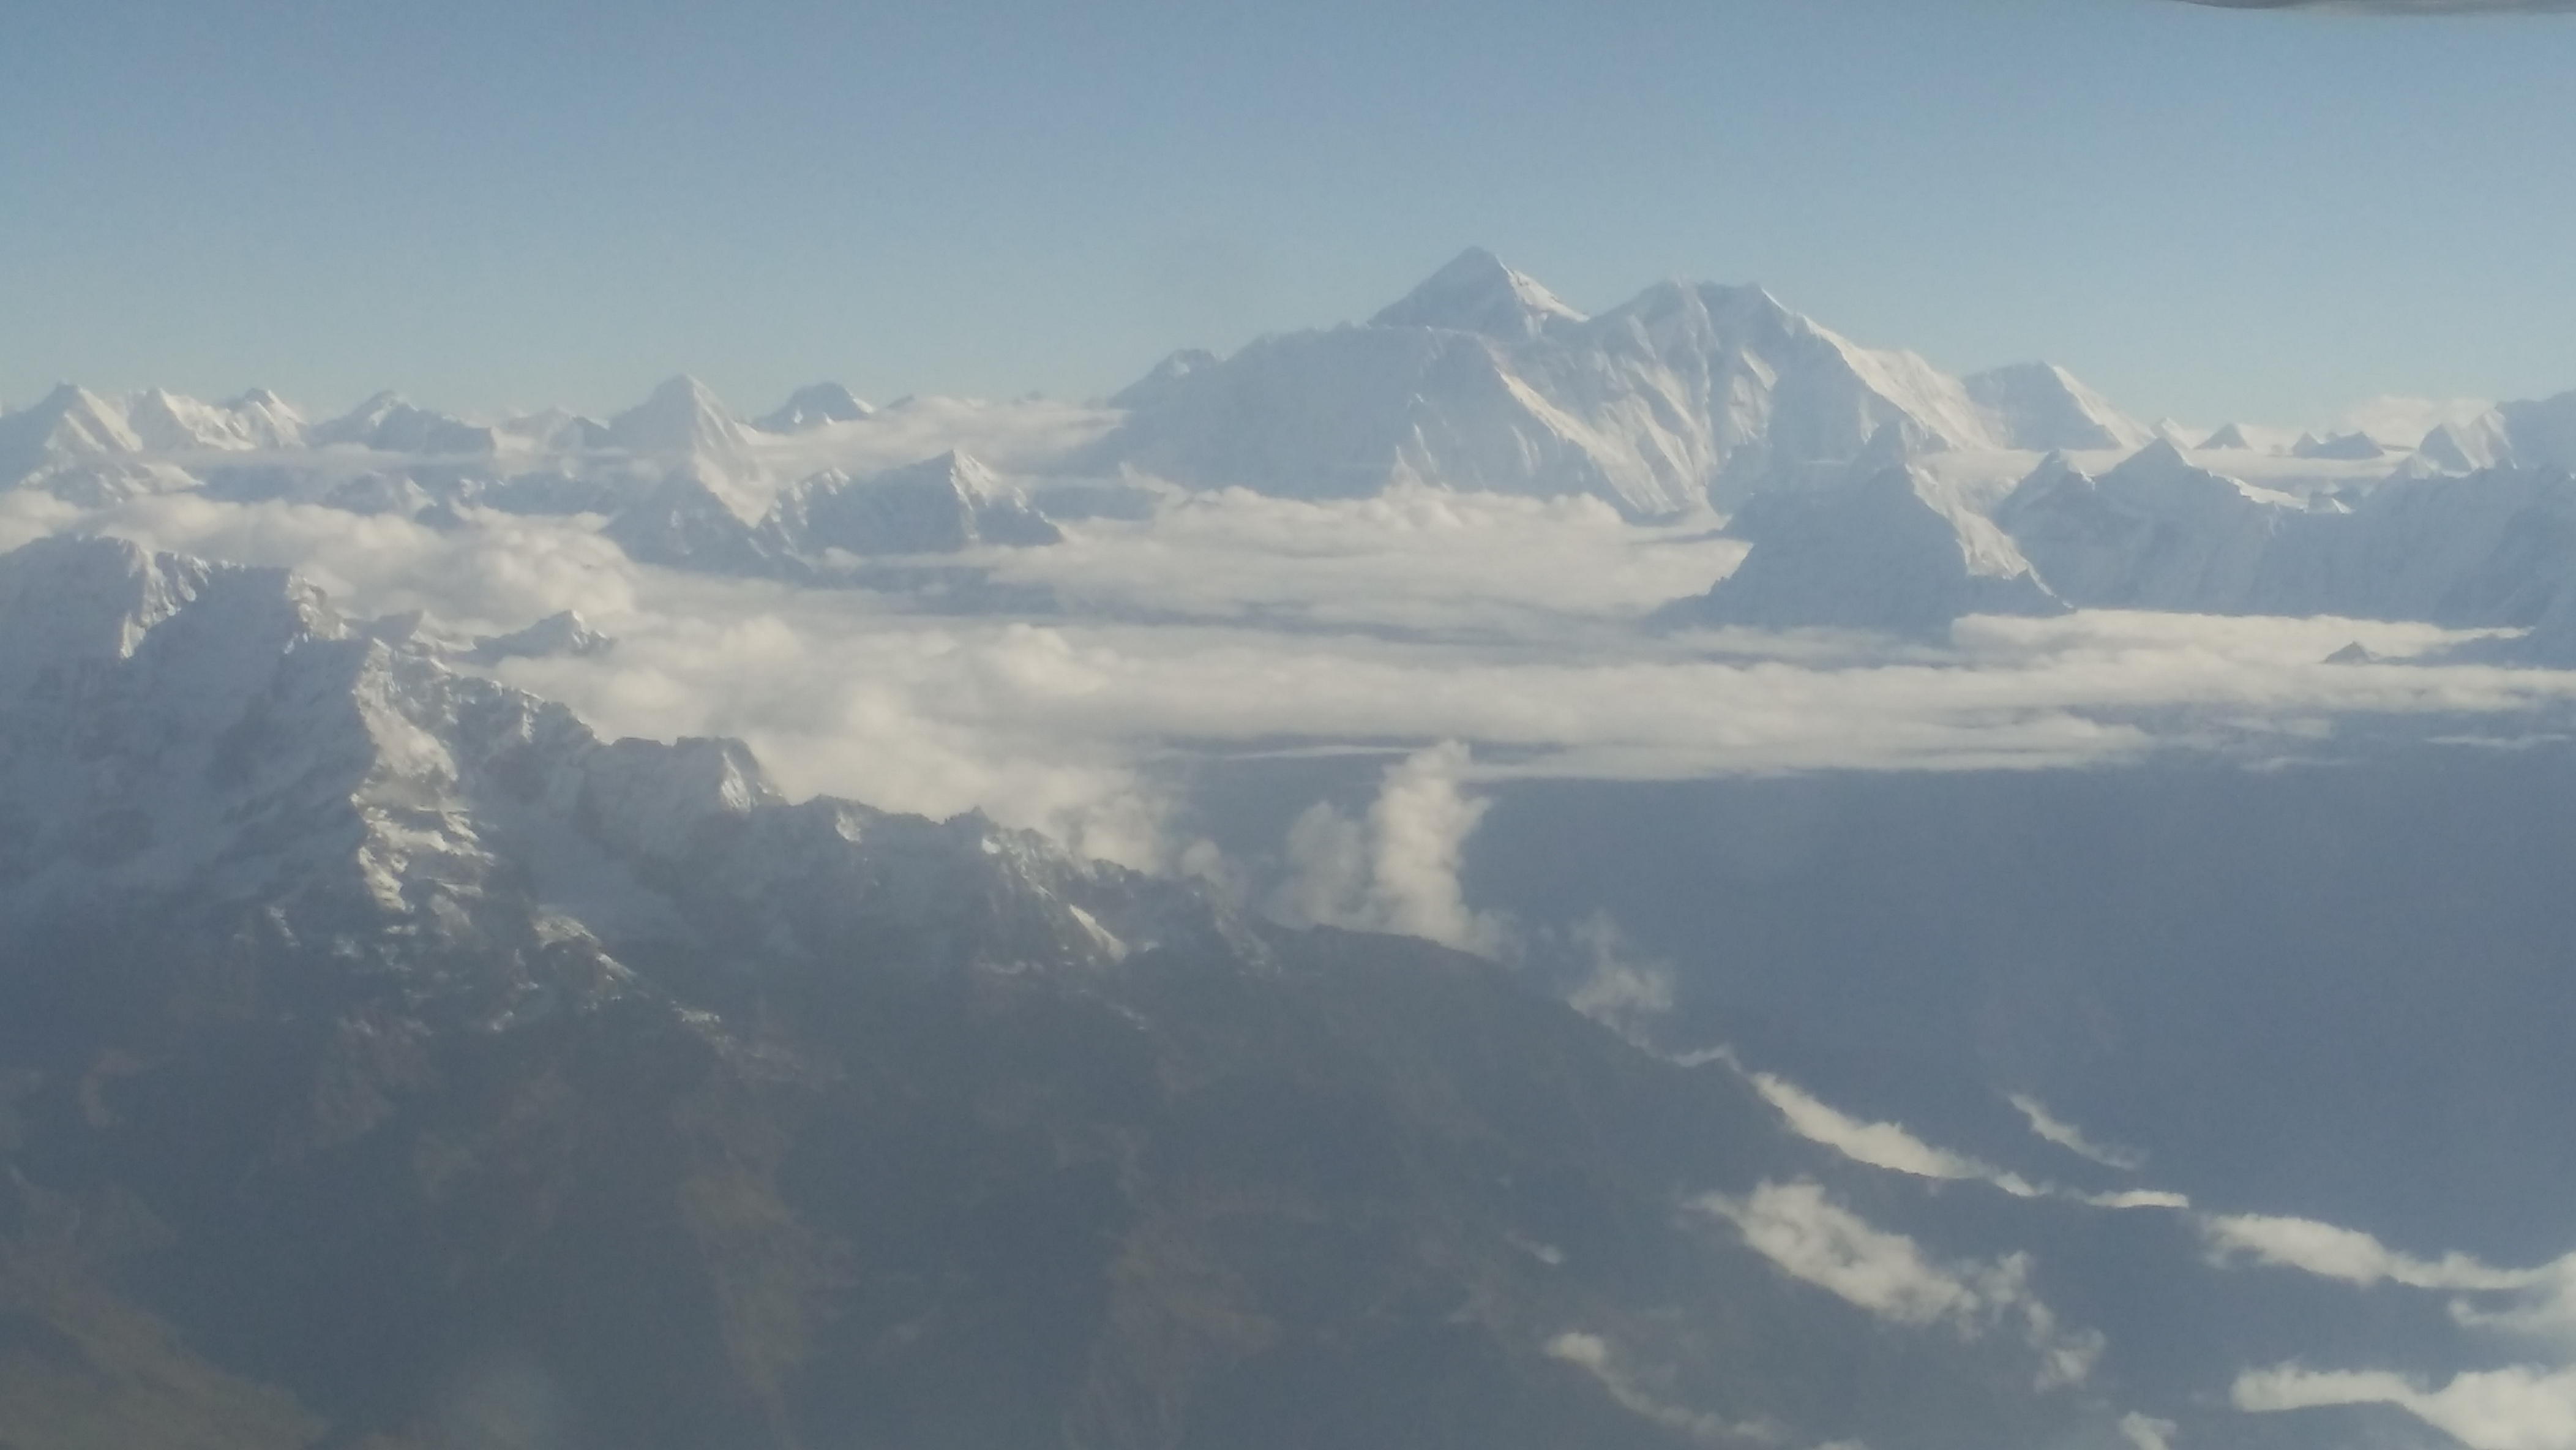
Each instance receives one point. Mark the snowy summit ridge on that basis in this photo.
(1685, 397)
(1475, 292)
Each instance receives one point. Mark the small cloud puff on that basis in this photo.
(1619, 990)
(1398, 868)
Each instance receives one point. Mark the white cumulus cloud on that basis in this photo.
(1396, 869)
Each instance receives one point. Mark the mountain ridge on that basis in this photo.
(453, 1063)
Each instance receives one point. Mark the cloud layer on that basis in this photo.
(1235, 623)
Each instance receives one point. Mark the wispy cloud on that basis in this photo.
(2146, 1432)
(2050, 1128)
(2334, 1252)
(1897, 1149)
(1879, 1145)
(2518, 1407)
(2521, 1408)
(1596, 1357)
(1620, 990)
(1814, 1239)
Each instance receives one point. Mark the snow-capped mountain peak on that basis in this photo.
(258, 420)
(939, 505)
(817, 406)
(681, 417)
(386, 423)
(1686, 397)
(1477, 293)
(2044, 407)
(354, 425)
(1165, 374)
(2157, 532)
(2467, 447)
(67, 602)
(185, 742)
(1882, 546)
(559, 634)
(70, 423)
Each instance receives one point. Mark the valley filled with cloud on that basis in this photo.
(2087, 857)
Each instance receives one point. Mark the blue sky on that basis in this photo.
(2205, 212)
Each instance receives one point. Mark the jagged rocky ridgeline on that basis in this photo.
(385, 1060)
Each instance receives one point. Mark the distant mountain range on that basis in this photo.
(388, 1062)
(1880, 492)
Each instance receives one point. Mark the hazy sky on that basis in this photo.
(2206, 212)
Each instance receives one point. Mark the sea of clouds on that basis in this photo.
(1469, 642)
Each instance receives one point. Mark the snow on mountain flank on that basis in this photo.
(70, 424)
(1886, 548)
(2042, 407)
(2013, 489)
(2157, 532)
(818, 406)
(682, 417)
(1475, 292)
(1685, 397)
(205, 739)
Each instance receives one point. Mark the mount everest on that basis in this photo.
(2027, 490)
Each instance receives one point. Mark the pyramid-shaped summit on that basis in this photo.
(813, 407)
(2043, 407)
(70, 422)
(681, 417)
(1476, 292)
(1883, 547)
